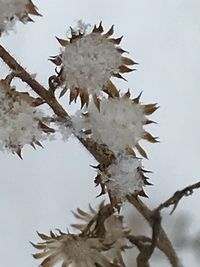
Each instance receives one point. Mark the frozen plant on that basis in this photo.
(110, 124)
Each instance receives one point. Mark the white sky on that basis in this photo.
(39, 192)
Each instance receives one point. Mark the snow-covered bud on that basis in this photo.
(13, 10)
(88, 61)
(119, 124)
(20, 121)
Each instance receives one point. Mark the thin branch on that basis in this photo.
(164, 242)
(178, 195)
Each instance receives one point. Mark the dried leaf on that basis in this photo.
(111, 89)
(109, 32)
(124, 69)
(128, 61)
(141, 151)
(127, 94)
(96, 102)
(43, 236)
(84, 96)
(150, 108)
(64, 90)
(63, 42)
(32, 9)
(147, 136)
(45, 128)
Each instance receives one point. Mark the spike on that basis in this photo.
(95, 29)
(78, 226)
(147, 183)
(84, 98)
(96, 102)
(128, 61)
(57, 60)
(74, 92)
(127, 94)
(111, 89)
(142, 194)
(141, 151)
(45, 128)
(62, 42)
(32, 9)
(43, 236)
(40, 255)
(150, 108)
(38, 143)
(64, 90)
(147, 136)
(100, 28)
(52, 234)
(93, 211)
(18, 151)
(38, 246)
(109, 32)
(137, 99)
(147, 121)
(82, 212)
(145, 171)
(124, 69)
(130, 151)
(33, 145)
(120, 50)
(116, 41)
(117, 75)
(47, 262)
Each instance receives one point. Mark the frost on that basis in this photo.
(118, 124)
(125, 177)
(18, 123)
(64, 129)
(9, 10)
(90, 61)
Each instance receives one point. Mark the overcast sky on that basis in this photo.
(39, 192)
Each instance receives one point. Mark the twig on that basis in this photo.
(164, 243)
(178, 195)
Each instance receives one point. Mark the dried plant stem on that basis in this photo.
(164, 243)
(100, 152)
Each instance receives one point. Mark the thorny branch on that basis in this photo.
(103, 155)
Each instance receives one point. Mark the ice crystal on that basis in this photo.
(125, 177)
(18, 122)
(9, 10)
(118, 124)
(90, 62)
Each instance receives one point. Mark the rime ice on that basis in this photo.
(125, 177)
(90, 61)
(18, 122)
(8, 11)
(118, 124)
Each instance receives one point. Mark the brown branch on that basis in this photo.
(164, 243)
(98, 221)
(147, 250)
(178, 195)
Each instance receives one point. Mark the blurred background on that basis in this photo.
(40, 191)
